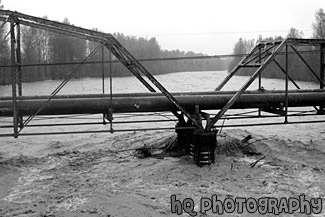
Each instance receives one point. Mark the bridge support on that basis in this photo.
(202, 149)
(185, 134)
(198, 143)
(14, 76)
(107, 40)
(322, 72)
(193, 138)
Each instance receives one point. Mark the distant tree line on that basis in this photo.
(44, 47)
(297, 69)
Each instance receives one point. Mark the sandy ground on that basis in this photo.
(102, 174)
(99, 175)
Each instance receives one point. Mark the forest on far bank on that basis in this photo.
(297, 69)
(41, 47)
(46, 55)
(41, 51)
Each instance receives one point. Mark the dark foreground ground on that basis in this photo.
(100, 176)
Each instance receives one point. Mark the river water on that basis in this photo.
(181, 81)
(174, 82)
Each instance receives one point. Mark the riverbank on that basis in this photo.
(104, 176)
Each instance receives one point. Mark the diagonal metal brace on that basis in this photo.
(248, 59)
(245, 86)
(118, 48)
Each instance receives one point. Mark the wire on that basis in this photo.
(161, 115)
(239, 114)
(139, 115)
(63, 117)
(216, 33)
(201, 57)
(87, 116)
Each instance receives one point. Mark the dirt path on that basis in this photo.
(99, 179)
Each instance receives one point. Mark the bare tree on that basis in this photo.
(319, 24)
(243, 46)
(295, 33)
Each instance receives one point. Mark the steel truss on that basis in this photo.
(107, 40)
(258, 59)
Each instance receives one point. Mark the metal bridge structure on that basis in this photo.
(196, 127)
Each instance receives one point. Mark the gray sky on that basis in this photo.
(207, 26)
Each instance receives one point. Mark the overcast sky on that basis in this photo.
(207, 26)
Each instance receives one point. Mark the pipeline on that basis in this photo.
(160, 94)
(155, 102)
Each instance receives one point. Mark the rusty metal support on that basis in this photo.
(185, 132)
(19, 70)
(286, 85)
(248, 59)
(188, 105)
(321, 73)
(18, 53)
(119, 53)
(232, 73)
(264, 54)
(71, 31)
(246, 85)
(203, 147)
(259, 76)
(322, 65)
(115, 47)
(110, 110)
(103, 78)
(57, 26)
(103, 70)
(61, 85)
(63, 31)
(13, 76)
(132, 64)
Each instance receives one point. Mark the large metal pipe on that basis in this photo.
(147, 94)
(149, 102)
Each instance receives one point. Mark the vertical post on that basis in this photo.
(259, 76)
(103, 79)
(103, 70)
(18, 53)
(13, 76)
(19, 76)
(110, 88)
(286, 86)
(322, 71)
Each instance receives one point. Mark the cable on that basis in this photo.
(215, 33)
(239, 114)
(64, 116)
(203, 57)
(161, 115)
